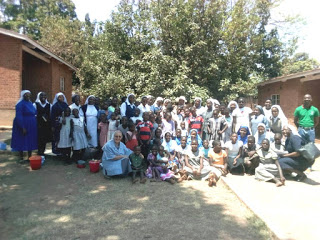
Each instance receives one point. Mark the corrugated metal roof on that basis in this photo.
(302, 75)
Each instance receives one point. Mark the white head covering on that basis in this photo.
(233, 102)
(56, 98)
(212, 101)
(292, 128)
(167, 100)
(215, 101)
(281, 115)
(22, 93)
(88, 99)
(183, 98)
(157, 99)
(198, 98)
(169, 146)
(127, 100)
(38, 99)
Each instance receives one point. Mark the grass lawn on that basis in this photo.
(64, 202)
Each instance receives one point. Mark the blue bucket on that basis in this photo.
(3, 146)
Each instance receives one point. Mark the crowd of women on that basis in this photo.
(161, 139)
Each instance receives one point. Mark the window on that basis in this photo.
(275, 99)
(61, 84)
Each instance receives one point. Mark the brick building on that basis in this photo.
(288, 91)
(24, 64)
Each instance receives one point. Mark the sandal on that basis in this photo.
(301, 178)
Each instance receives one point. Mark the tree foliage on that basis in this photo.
(195, 47)
(220, 48)
(300, 62)
(27, 15)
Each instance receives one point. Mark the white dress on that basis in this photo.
(79, 137)
(92, 125)
(65, 140)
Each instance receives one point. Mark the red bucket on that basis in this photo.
(94, 166)
(35, 162)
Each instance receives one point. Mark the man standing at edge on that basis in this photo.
(306, 118)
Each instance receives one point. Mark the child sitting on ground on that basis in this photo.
(250, 156)
(218, 158)
(169, 165)
(155, 167)
(65, 141)
(170, 161)
(234, 151)
(137, 165)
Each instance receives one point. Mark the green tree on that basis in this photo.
(173, 47)
(27, 16)
(300, 62)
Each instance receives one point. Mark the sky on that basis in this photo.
(100, 10)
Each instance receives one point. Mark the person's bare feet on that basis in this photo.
(278, 183)
(212, 182)
(153, 180)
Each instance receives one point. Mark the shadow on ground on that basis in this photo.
(64, 202)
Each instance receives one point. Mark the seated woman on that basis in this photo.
(234, 152)
(250, 156)
(115, 158)
(293, 162)
(262, 134)
(258, 117)
(243, 134)
(193, 135)
(269, 168)
(197, 168)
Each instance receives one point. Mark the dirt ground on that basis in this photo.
(64, 202)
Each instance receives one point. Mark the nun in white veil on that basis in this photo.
(90, 112)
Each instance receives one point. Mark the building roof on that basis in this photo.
(303, 76)
(35, 45)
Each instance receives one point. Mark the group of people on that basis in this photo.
(168, 140)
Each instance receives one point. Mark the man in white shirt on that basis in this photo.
(144, 107)
(241, 115)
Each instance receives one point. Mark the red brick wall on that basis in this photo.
(289, 91)
(10, 71)
(36, 75)
(61, 70)
(291, 95)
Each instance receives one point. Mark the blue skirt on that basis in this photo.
(28, 142)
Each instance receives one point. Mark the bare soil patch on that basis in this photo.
(64, 202)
